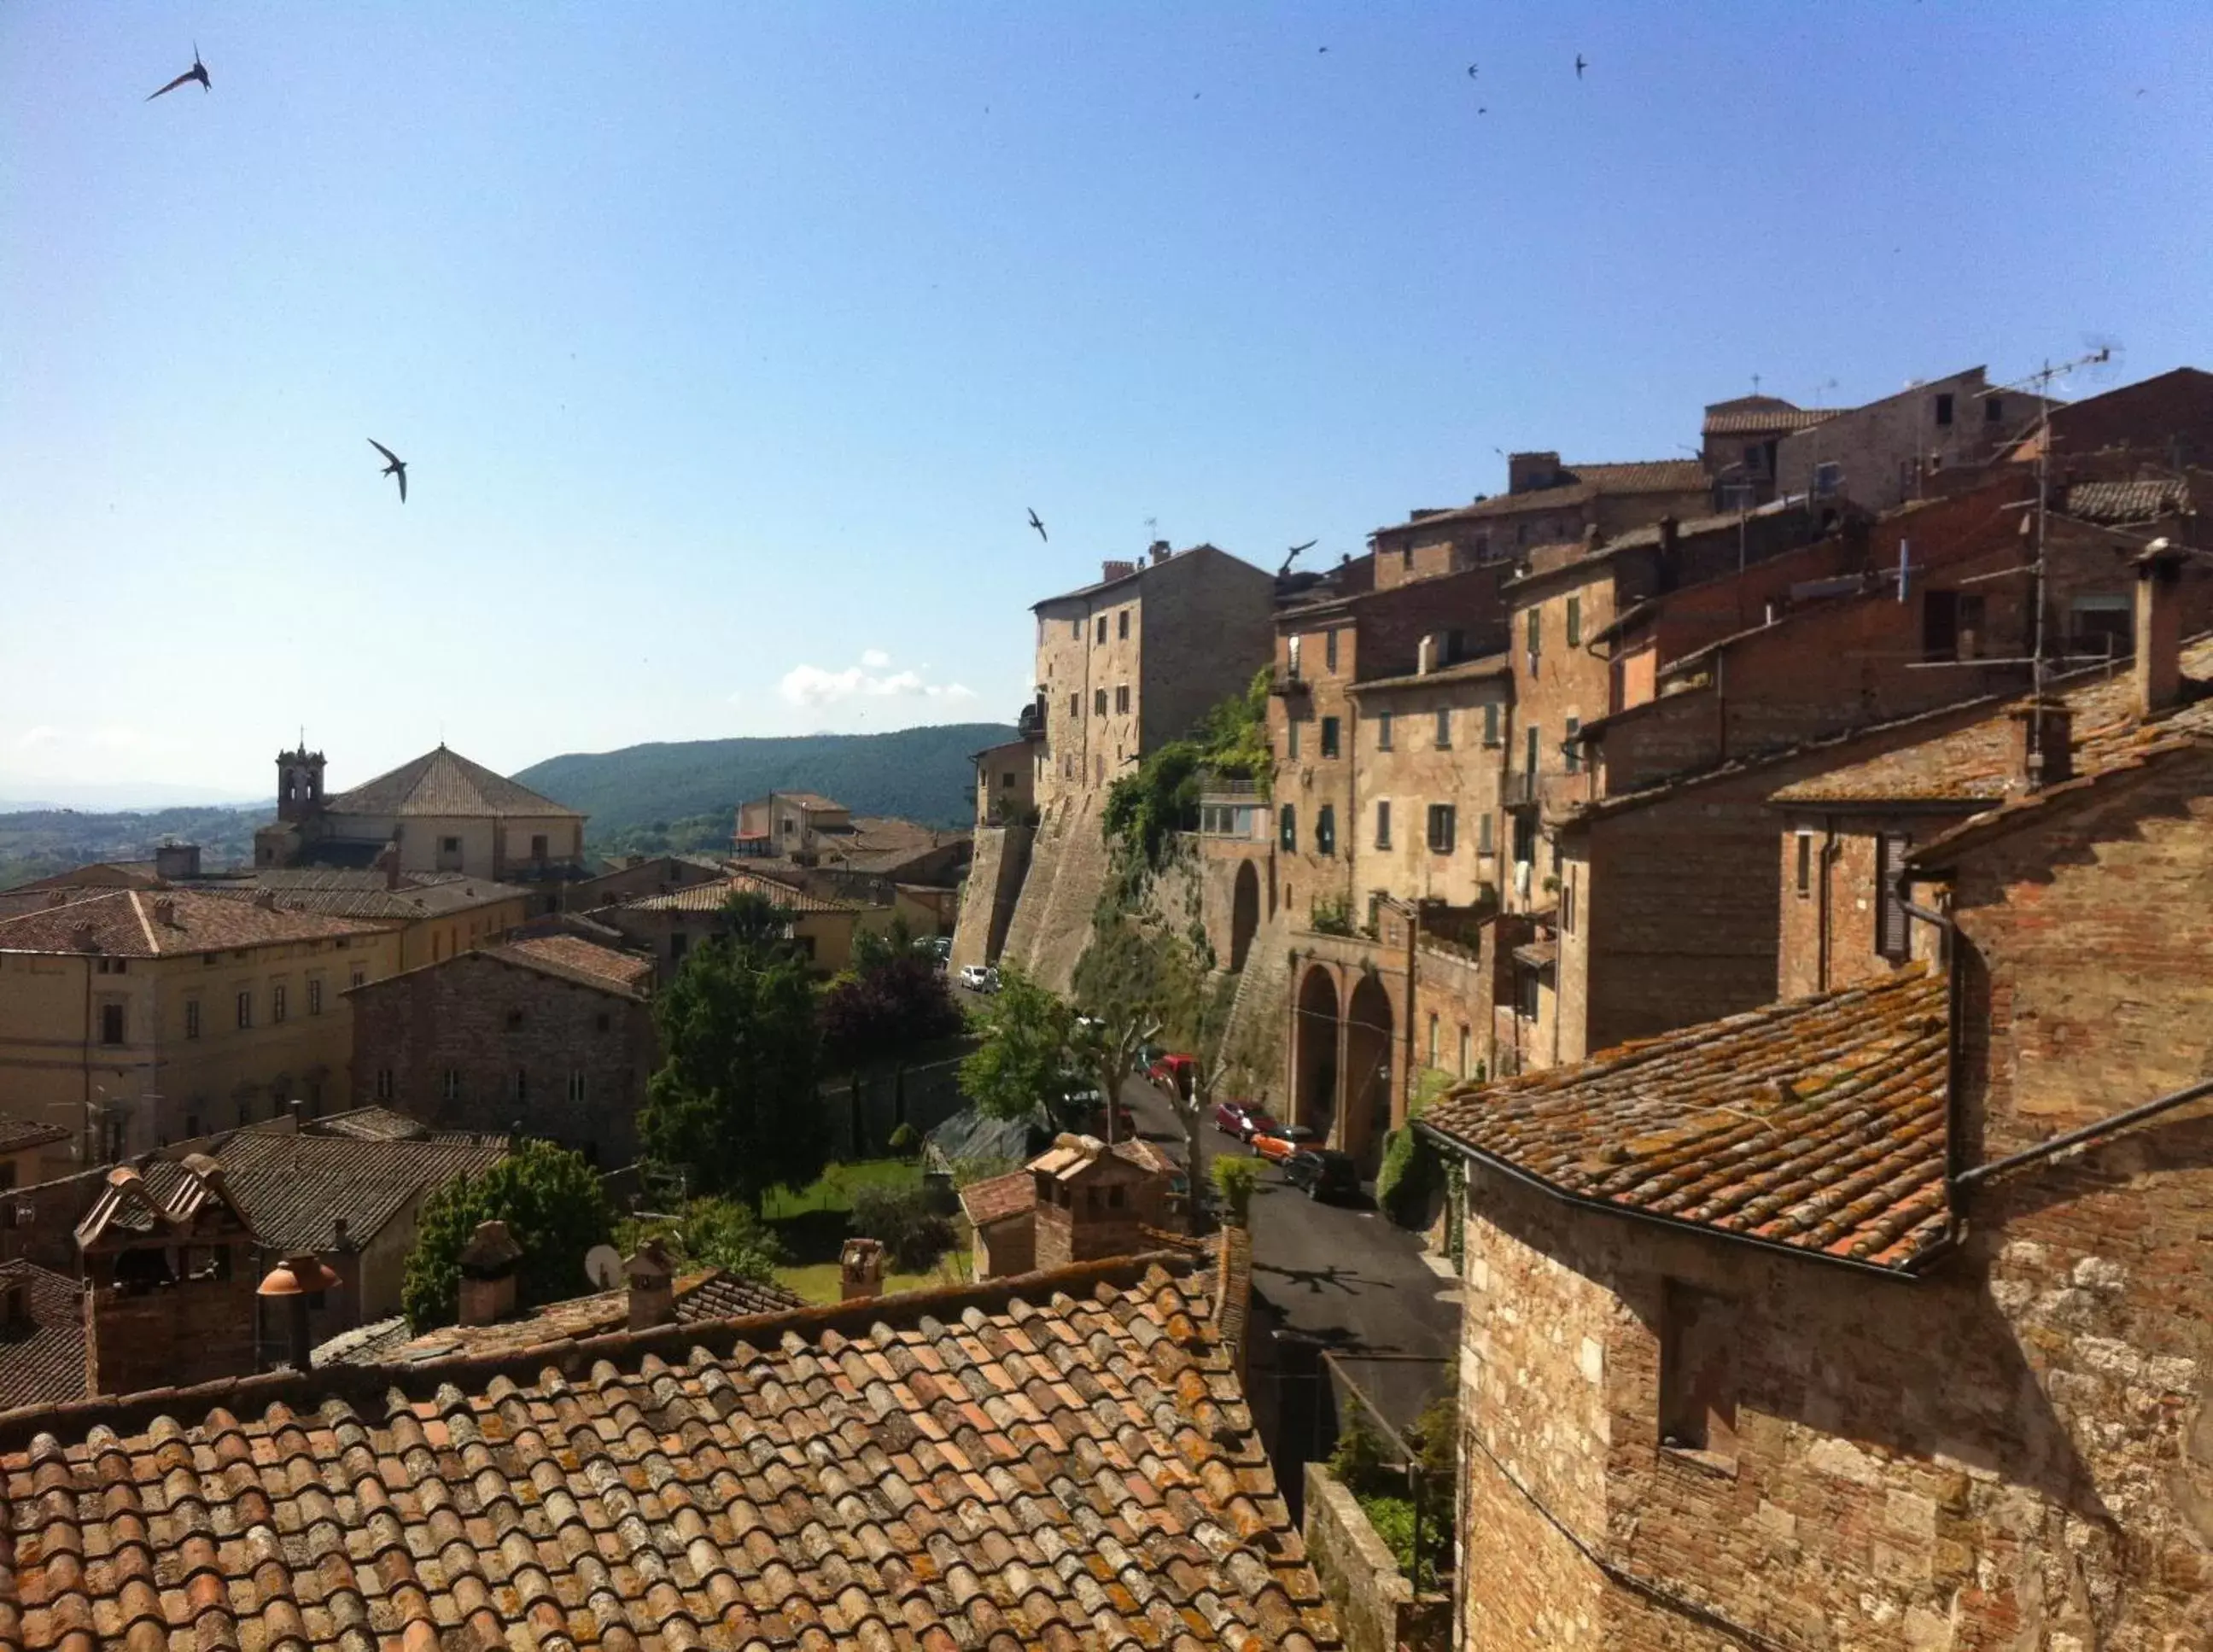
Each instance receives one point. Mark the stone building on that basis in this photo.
(666, 927)
(1873, 1318)
(552, 1035)
(130, 1018)
(2164, 423)
(1077, 1201)
(25, 1147)
(1740, 440)
(1005, 785)
(1545, 503)
(642, 875)
(1885, 453)
(803, 830)
(440, 813)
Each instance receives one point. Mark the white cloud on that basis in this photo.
(44, 734)
(814, 687)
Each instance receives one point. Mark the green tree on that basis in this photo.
(735, 1100)
(553, 1206)
(710, 1232)
(1236, 1178)
(1024, 1057)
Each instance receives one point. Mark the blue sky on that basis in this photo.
(729, 345)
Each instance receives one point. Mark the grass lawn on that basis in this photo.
(832, 1191)
(813, 1226)
(818, 1281)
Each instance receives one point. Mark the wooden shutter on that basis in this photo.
(1892, 939)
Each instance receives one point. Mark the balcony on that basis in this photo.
(1287, 682)
(1518, 790)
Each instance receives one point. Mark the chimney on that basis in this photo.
(388, 858)
(1429, 654)
(165, 914)
(652, 1287)
(488, 1275)
(861, 1270)
(265, 900)
(173, 862)
(1528, 472)
(292, 1283)
(1159, 551)
(1110, 570)
(2159, 630)
(1232, 1293)
(2043, 745)
(1670, 538)
(18, 1311)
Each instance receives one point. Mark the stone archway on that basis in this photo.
(1244, 913)
(1314, 1069)
(1368, 1025)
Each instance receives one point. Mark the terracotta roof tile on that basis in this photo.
(444, 782)
(147, 924)
(1761, 420)
(1059, 1461)
(42, 1356)
(1975, 765)
(712, 897)
(19, 1135)
(1817, 1123)
(575, 958)
(359, 893)
(997, 1198)
(2126, 501)
(1582, 483)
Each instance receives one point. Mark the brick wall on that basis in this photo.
(1310, 782)
(1889, 449)
(483, 1022)
(1416, 772)
(1210, 626)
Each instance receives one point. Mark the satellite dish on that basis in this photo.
(603, 1266)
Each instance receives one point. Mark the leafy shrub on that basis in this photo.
(1357, 1459)
(1236, 1178)
(906, 1140)
(912, 1233)
(710, 1232)
(554, 1208)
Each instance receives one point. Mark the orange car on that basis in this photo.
(1278, 1145)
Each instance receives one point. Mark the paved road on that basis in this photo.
(1344, 1274)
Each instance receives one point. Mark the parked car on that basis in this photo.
(1243, 1119)
(1180, 1072)
(1323, 1173)
(1278, 1145)
(979, 977)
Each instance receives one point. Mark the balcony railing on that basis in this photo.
(1518, 789)
(1288, 681)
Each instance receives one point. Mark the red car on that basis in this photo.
(1278, 1145)
(1180, 1072)
(1243, 1119)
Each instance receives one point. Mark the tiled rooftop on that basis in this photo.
(1581, 484)
(2126, 501)
(712, 1294)
(369, 1123)
(131, 923)
(444, 782)
(1490, 665)
(997, 1198)
(1975, 765)
(359, 893)
(1817, 1124)
(20, 1135)
(573, 958)
(1759, 421)
(41, 1356)
(1061, 1461)
(713, 897)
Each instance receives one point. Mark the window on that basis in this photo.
(1292, 648)
(1444, 728)
(1383, 824)
(1076, 705)
(246, 1009)
(1099, 702)
(1076, 631)
(538, 847)
(1574, 622)
(1291, 740)
(191, 1018)
(1697, 1370)
(1122, 700)
(114, 966)
(1571, 748)
(1116, 1197)
(1568, 901)
(1102, 629)
(276, 1003)
(1805, 864)
(1329, 732)
(575, 1087)
(1433, 1037)
(1383, 731)
(1441, 828)
(386, 1088)
(449, 845)
(521, 1087)
(1482, 834)
(1993, 410)
(1530, 766)
(1892, 935)
(359, 977)
(678, 944)
(315, 995)
(1534, 629)
(1944, 408)
(1287, 832)
(1329, 650)
(1467, 1050)
(110, 1023)
(1326, 830)
(1122, 623)
(1490, 723)
(1528, 993)
(604, 1021)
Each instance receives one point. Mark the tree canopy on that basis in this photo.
(554, 1208)
(1024, 1058)
(715, 1233)
(1160, 795)
(735, 1100)
(892, 1001)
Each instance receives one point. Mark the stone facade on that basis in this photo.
(988, 897)
(478, 1043)
(1375, 1603)
(1893, 450)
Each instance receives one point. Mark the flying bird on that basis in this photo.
(197, 71)
(398, 467)
(1471, 71)
(1040, 526)
(1580, 66)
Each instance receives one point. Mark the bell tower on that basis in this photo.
(299, 783)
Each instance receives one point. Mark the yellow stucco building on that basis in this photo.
(130, 1018)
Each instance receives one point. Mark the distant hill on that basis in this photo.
(638, 794)
(38, 843)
